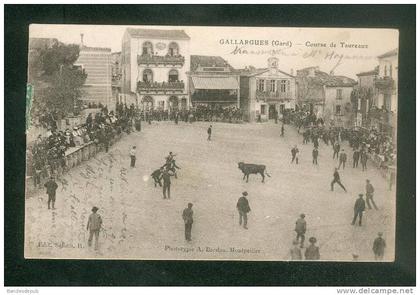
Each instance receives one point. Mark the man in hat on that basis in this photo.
(295, 154)
(157, 176)
(282, 130)
(336, 179)
(93, 226)
(356, 157)
(295, 252)
(315, 156)
(336, 148)
(300, 229)
(343, 159)
(166, 176)
(359, 207)
(51, 186)
(363, 160)
(379, 247)
(187, 215)
(209, 133)
(243, 209)
(312, 252)
(133, 156)
(369, 195)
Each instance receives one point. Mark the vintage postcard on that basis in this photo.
(211, 143)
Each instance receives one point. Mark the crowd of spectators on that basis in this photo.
(372, 141)
(197, 113)
(47, 154)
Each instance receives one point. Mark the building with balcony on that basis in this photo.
(363, 96)
(213, 82)
(385, 106)
(96, 63)
(267, 92)
(386, 82)
(153, 67)
(116, 73)
(326, 95)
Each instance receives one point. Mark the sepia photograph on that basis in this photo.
(211, 143)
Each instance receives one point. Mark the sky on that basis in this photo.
(295, 48)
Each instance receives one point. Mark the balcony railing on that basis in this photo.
(159, 60)
(160, 86)
(268, 95)
(385, 83)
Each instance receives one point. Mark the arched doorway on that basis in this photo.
(147, 103)
(173, 103)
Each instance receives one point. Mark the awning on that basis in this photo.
(224, 83)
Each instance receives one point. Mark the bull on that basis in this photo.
(252, 169)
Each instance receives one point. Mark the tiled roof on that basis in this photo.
(86, 48)
(322, 78)
(389, 53)
(207, 61)
(158, 34)
(369, 73)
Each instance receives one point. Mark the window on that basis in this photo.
(390, 71)
(162, 104)
(338, 109)
(263, 109)
(173, 76)
(272, 85)
(288, 86)
(385, 71)
(147, 76)
(339, 94)
(260, 85)
(173, 49)
(283, 85)
(147, 48)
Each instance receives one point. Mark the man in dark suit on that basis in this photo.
(337, 180)
(51, 186)
(359, 207)
(356, 156)
(336, 148)
(243, 209)
(343, 159)
(187, 215)
(166, 176)
(209, 133)
(157, 175)
(315, 156)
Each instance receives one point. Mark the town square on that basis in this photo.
(158, 152)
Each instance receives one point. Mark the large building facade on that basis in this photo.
(266, 93)
(96, 62)
(326, 95)
(154, 65)
(213, 82)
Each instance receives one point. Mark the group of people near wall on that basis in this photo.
(46, 156)
(371, 140)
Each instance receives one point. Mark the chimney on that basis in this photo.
(331, 73)
(81, 40)
(291, 72)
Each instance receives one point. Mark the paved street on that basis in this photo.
(139, 223)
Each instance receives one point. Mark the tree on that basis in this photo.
(57, 82)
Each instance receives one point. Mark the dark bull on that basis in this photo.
(252, 169)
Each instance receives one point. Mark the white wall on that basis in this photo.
(160, 73)
(331, 101)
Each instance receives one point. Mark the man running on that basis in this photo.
(337, 180)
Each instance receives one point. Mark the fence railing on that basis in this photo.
(74, 156)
